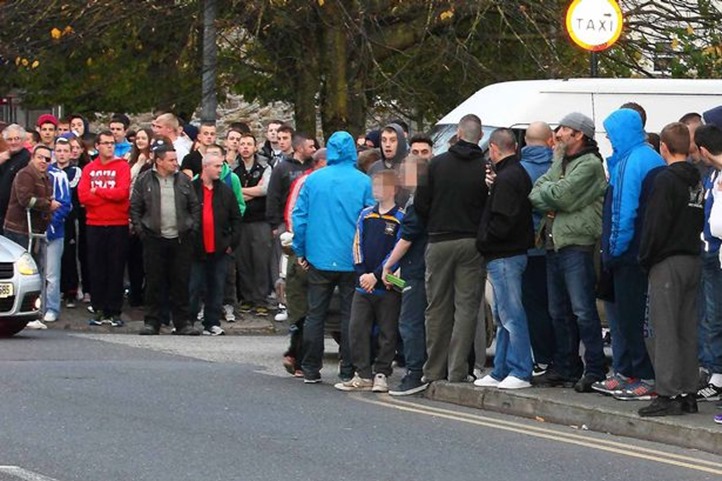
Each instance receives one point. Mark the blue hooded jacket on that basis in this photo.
(61, 193)
(536, 160)
(628, 166)
(711, 243)
(328, 206)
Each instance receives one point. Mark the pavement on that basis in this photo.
(592, 412)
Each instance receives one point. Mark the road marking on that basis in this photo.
(545, 433)
(21, 473)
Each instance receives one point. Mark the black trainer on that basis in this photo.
(149, 330)
(662, 406)
(585, 383)
(187, 331)
(410, 384)
(554, 379)
(688, 403)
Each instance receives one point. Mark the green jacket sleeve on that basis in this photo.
(583, 183)
(535, 196)
(238, 191)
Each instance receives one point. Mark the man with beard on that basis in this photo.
(571, 194)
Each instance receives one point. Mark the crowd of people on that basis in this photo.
(407, 239)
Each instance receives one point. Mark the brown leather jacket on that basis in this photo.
(32, 190)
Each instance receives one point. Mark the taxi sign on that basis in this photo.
(594, 25)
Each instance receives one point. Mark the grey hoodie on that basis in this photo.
(402, 150)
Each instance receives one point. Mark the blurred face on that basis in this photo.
(389, 144)
(246, 147)
(409, 174)
(272, 133)
(63, 128)
(212, 164)
(284, 141)
(41, 159)
(693, 150)
(232, 141)
(47, 133)
(207, 135)
(168, 164)
(75, 149)
(141, 140)
(62, 153)
(15, 141)
(105, 146)
(118, 130)
(422, 149)
(383, 191)
(77, 126)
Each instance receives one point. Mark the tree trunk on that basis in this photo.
(335, 70)
(209, 100)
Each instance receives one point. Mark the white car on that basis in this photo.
(20, 288)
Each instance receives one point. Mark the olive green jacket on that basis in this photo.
(574, 194)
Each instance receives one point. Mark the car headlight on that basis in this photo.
(26, 265)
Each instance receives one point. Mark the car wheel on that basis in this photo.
(10, 328)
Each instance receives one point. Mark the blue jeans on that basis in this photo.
(412, 325)
(573, 307)
(513, 347)
(710, 325)
(627, 323)
(208, 280)
(54, 257)
(321, 285)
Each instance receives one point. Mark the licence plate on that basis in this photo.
(6, 290)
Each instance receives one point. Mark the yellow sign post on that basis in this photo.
(594, 25)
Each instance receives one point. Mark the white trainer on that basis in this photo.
(36, 325)
(512, 382)
(228, 313)
(380, 383)
(486, 381)
(50, 316)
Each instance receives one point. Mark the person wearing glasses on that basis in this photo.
(32, 190)
(104, 190)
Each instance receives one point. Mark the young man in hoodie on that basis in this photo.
(324, 223)
(709, 141)
(394, 149)
(104, 190)
(536, 158)
(56, 229)
(570, 195)
(450, 204)
(669, 251)
(505, 234)
(629, 167)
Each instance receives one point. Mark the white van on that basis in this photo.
(517, 104)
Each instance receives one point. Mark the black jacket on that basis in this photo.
(226, 218)
(506, 227)
(17, 161)
(452, 198)
(279, 186)
(256, 207)
(145, 204)
(674, 215)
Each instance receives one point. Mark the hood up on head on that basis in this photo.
(341, 149)
(402, 148)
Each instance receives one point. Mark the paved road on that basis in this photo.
(121, 407)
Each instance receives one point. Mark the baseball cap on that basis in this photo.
(47, 119)
(580, 122)
(159, 145)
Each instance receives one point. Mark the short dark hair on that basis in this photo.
(299, 139)
(242, 127)
(286, 128)
(208, 123)
(120, 118)
(421, 139)
(676, 137)
(249, 135)
(367, 158)
(275, 122)
(504, 139)
(470, 128)
(637, 108)
(103, 133)
(234, 130)
(709, 136)
(42, 147)
(691, 118)
(216, 146)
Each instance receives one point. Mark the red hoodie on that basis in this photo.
(110, 203)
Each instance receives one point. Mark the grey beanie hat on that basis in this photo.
(580, 122)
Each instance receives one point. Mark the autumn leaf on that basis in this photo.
(321, 3)
(35, 64)
(55, 33)
(448, 14)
